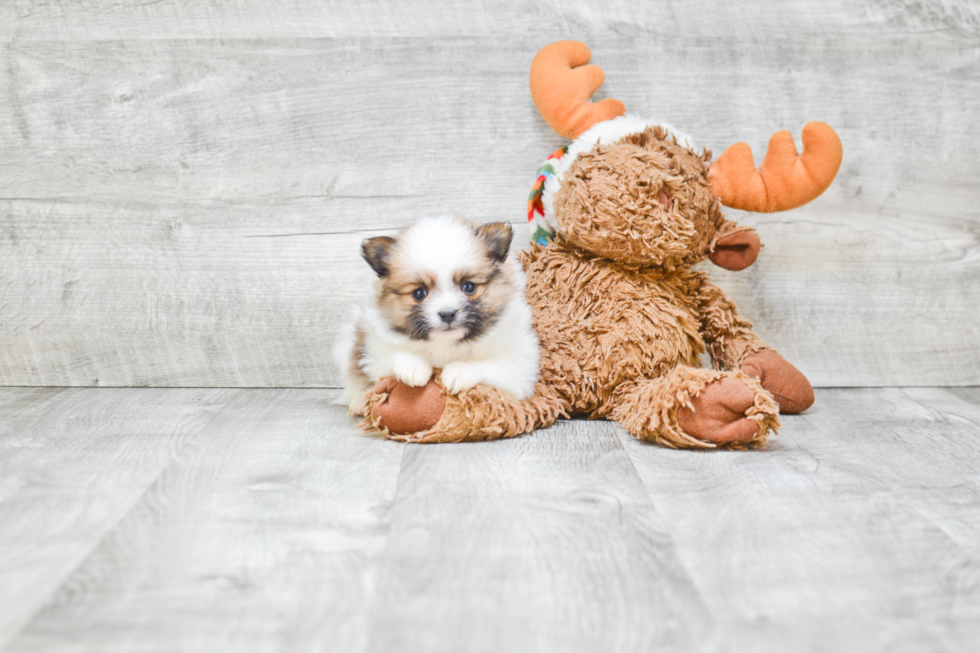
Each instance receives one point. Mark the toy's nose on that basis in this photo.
(448, 316)
(665, 200)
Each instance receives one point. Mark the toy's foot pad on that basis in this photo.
(788, 386)
(408, 409)
(719, 411)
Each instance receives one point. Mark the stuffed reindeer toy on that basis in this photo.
(618, 217)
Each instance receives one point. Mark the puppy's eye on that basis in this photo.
(419, 294)
(469, 287)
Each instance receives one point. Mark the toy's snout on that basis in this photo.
(736, 251)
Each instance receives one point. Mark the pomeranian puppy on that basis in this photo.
(448, 295)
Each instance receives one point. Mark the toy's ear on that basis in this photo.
(376, 252)
(496, 236)
(736, 251)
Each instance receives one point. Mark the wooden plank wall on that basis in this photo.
(183, 185)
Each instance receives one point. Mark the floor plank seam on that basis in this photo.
(111, 529)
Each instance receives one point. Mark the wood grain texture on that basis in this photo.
(72, 464)
(969, 395)
(280, 527)
(262, 537)
(214, 303)
(543, 543)
(178, 19)
(142, 169)
(855, 530)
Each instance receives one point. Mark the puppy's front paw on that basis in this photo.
(457, 377)
(412, 370)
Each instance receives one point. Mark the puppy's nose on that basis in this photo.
(448, 316)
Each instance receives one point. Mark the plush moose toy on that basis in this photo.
(619, 217)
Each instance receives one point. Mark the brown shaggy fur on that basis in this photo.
(611, 202)
(621, 318)
(601, 324)
(650, 406)
(480, 413)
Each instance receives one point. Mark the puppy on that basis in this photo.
(447, 295)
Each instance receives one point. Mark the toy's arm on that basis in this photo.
(728, 337)
(733, 346)
(430, 414)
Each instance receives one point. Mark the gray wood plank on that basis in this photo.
(279, 527)
(543, 543)
(20, 407)
(938, 472)
(177, 19)
(139, 175)
(970, 395)
(72, 464)
(261, 537)
(855, 530)
(260, 312)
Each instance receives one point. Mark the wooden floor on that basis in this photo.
(261, 520)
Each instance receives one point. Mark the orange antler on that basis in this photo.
(785, 180)
(561, 85)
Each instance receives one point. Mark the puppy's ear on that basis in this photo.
(376, 251)
(496, 236)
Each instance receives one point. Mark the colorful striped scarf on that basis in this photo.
(542, 232)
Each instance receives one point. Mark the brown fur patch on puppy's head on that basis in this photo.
(643, 200)
(396, 298)
(445, 279)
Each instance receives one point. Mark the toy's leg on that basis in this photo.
(429, 414)
(787, 384)
(697, 408)
(733, 346)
